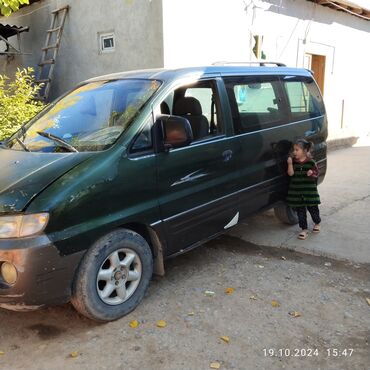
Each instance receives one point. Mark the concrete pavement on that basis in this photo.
(345, 210)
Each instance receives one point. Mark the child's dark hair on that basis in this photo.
(304, 144)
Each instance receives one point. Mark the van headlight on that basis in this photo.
(19, 226)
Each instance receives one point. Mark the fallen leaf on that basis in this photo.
(74, 354)
(161, 324)
(215, 365)
(368, 301)
(229, 290)
(253, 297)
(283, 258)
(134, 324)
(225, 338)
(209, 293)
(295, 314)
(275, 303)
(2, 353)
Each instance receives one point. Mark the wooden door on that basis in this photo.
(318, 67)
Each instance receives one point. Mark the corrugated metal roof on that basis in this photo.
(358, 8)
(364, 4)
(6, 30)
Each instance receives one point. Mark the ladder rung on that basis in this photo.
(54, 29)
(60, 9)
(47, 80)
(48, 61)
(50, 47)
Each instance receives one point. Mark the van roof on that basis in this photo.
(224, 70)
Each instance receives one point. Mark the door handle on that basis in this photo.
(227, 155)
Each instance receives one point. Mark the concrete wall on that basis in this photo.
(137, 25)
(202, 32)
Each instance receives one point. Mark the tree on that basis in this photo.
(7, 7)
(17, 101)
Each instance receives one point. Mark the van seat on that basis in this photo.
(191, 109)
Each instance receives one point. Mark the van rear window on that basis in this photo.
(304, 97)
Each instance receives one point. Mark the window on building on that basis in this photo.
(107, 42)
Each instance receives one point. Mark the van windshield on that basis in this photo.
(90, 118)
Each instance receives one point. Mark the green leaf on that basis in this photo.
(14, 6)
(6, 11)
(7, 7)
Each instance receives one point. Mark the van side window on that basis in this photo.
(199, 104)
(304, 97)
(167, 104)
(144, 141)
(204, 96)
(255, 104)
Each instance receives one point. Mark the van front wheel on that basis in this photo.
(286, 214)
(113, 276)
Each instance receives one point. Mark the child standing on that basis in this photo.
(302, 194)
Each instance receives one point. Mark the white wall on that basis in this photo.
(202, 32)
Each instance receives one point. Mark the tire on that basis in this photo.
(121, 263)
(286, 214)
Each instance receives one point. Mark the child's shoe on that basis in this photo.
(316, 229)
(303, 235)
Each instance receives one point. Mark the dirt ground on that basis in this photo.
(330, 296)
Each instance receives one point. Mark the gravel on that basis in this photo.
(331, 301)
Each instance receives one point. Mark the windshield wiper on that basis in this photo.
(22, 144)
(58, 140)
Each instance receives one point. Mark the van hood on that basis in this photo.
(23, 175)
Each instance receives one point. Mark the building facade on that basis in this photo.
(333, 42)
(135, 25)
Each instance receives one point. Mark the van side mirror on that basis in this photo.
(176, 132)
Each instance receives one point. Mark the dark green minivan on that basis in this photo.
(129, 169)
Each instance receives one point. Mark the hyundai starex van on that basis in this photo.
(129, 169)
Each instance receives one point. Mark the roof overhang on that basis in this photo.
(6, 30)
(358, 8)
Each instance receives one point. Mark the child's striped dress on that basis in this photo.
(302, 188)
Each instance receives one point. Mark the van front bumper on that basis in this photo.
(44, 276)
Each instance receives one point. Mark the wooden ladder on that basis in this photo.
(50, 51)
